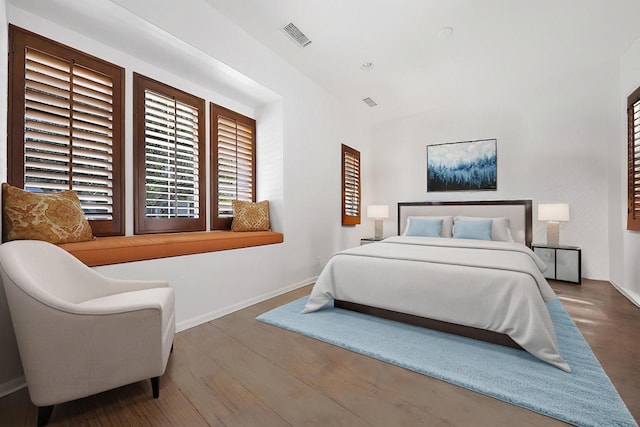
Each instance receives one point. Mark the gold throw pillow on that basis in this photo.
(250, 216)
(52, 217)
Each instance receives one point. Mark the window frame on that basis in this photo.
(633, 145)
(142, 224)
(348, 219)
(21, 39)
(217, 222)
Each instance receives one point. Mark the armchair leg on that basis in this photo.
(44, 415)
(155, 386)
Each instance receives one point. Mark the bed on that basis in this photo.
(492, 289)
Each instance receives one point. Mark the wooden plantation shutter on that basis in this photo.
(233, 160)
(169, 155)
(633, 157)
(66, 130)
(68, 148)
(350, 186)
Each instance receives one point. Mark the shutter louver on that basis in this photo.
(633, 203)
(233, 160)
(171, 158)
(350, 186)
(68, 133)
(168, 158)
(235, 164)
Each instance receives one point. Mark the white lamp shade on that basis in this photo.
(553, 212)
(378, 211)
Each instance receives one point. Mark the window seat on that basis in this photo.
(119, 249)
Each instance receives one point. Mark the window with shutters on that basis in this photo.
(350, 186)
(66, 126)
(169, 158)
(633, 157)
(233, 160)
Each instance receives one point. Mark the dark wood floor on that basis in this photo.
(236, 371)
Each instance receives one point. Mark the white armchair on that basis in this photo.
(80, 333)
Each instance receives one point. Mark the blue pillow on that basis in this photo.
(477, 229)
(424, 227)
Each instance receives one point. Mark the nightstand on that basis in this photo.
(370, 240)
(563, 262)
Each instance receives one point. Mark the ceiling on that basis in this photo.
(495, 46)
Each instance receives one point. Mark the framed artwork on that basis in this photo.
(462, 166)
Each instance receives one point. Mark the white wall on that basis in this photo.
(298, 164)
(553, 136)
(625, 245)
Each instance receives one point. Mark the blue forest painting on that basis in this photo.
(462, 166)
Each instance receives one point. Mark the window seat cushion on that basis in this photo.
(119, 249)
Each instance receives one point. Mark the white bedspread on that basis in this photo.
(496, 286)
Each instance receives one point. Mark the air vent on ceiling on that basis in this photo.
(370, 102)
(296, 35)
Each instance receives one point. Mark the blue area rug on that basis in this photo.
(584, 397)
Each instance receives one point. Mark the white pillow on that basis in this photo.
(500, 230)
(447, 225)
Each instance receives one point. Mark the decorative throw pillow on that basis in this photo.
(425, 227)
(52, 217)
(500, 230)
(447, 224)
(476, 229)
(250, 216)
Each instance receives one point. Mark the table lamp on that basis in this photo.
(378, 212)
(553, 213)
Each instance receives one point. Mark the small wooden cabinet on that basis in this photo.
(563, 262)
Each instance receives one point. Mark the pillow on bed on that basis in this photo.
(475, 229)
(426, 227)
(447, 224)
(500, 230)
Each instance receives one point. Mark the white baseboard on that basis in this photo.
(630, 295)
(207, 317)
(12, 385)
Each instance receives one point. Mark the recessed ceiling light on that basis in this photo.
(445, 32)
(367, 66)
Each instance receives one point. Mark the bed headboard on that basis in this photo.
(519, 213)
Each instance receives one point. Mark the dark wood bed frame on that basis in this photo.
(436, 325)
(452, 328)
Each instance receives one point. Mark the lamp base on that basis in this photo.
(378, 229)
(553, 233)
